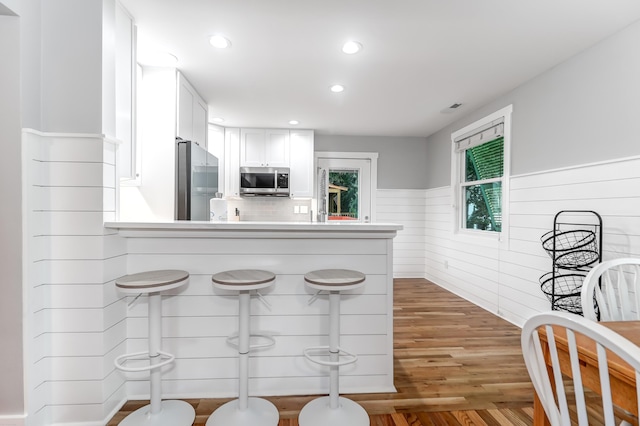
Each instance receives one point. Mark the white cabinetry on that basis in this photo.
(125, 85)
(264, 147)
(301, 175)
(270, 148)
(192, 113)
(232, 162)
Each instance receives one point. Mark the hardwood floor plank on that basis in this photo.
(499, 417)
(454, 364)
(399, 419)
(468, 418)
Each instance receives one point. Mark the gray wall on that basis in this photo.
(50, 80)
(584, 110)
(401, 161)
(72, 66)
(30, 63)
(11, 389)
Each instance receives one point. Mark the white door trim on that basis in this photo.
(371, 156)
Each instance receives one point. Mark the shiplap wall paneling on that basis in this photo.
(407, 208)
(197, 318)
(468, 268)
(76, 320)
(611, 188)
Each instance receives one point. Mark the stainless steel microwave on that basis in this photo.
(263, 181)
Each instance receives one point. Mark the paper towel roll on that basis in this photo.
(218, 210)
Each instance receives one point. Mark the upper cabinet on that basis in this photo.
(264, 147)
(192, 113)
(301, 175)
(270, 148)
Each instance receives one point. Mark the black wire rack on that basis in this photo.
(574, 245)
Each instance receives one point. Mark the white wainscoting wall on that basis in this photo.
(408, 208)
(197, 319)
(75, 322)
(503, 277)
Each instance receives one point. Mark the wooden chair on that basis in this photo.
(612, 289)
(605, 340)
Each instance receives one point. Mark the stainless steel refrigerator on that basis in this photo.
(196, 180)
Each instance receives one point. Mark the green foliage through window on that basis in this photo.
(483, 201)
(348, 198)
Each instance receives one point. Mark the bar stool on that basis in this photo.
(244, 411)
(333, 409)
(157, 412)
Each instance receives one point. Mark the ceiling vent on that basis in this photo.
(451, 108)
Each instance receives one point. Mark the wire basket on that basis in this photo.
(573, 249)
(565, 294)
(571, 304)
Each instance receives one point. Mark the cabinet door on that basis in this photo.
(252, 148)
(192, 113)
(199, 133)
(186, 99)
(301, 175)
(276, 147)
(232, 162)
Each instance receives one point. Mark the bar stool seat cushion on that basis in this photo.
(243, 279)
(152, 281)
(334, 279)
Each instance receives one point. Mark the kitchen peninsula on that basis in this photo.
(198, 319)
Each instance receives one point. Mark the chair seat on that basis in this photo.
(334, 279)
(152, 281)
(243, 279)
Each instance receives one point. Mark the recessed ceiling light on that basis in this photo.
(351, 47)
(218, 119)
(294, 122)
(337, 88)
(219, 42)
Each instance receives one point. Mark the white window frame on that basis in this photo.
(457, 167)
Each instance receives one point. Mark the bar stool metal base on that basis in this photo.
(260, 412)
(318, 412)
(172, 413)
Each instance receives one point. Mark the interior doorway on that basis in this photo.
(347, 182)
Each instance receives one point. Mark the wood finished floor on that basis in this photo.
(455, 364)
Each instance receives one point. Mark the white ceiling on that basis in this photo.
(419, 56)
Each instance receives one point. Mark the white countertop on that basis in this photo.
(186, 225)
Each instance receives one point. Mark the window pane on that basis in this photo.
(343, 194)
(485, 161)
(483, 207)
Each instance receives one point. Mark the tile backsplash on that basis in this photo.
(270, 209)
